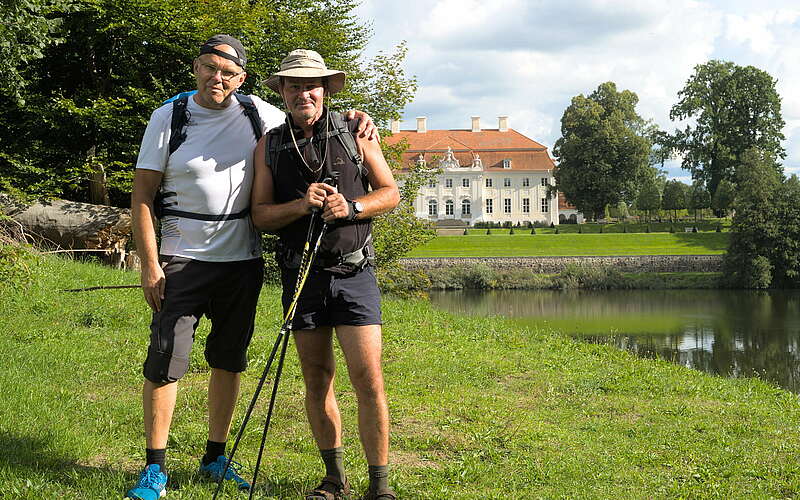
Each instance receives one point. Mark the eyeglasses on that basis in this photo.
(225, 75)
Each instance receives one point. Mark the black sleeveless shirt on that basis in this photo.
(291, 178)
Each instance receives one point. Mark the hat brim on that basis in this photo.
(335, 78)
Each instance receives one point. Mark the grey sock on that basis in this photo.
(378, 477)
(334, 462)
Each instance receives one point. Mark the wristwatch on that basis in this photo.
(355, 208)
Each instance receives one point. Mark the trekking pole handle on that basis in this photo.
(332, 180)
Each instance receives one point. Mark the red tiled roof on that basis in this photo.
(491, 145)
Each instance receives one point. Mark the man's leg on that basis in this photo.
(362, 350)
(159, 403)
(223, 392)
(315, 350)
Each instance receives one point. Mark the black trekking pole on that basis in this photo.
(282, 340)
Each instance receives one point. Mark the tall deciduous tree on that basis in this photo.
(723, 197)
(674, 197)
(732, 109)
(750, 259)
(601, 153)
(698, 198)
(649, 197)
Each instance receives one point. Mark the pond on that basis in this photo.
(731, 333)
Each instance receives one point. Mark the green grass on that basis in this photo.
(481, 409)
(527, 245)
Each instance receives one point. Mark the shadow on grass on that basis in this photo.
(34, 456)
(712, 241)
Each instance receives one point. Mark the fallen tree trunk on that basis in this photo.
(71, 225)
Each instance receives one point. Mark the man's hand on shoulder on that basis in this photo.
(366, 127)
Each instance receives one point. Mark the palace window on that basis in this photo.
(507, 182)
(507, 205)
(507, 163)
(432, 183)
(448, 183)
(526, 182)
(526, 205)
(433, 208)
(545, 205)
(488, 182)
(465, 182)
(466, 207)
(545, 182)
(489, 203)
(448, 207)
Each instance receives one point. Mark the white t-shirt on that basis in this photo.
(212, 173)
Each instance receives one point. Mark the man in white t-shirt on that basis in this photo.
(209, 261)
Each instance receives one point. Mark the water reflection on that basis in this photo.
(731, 333)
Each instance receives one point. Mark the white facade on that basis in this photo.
(472, 194)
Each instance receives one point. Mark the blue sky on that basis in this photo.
(527, 58)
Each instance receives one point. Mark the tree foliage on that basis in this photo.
(732, 109)
(88, 99)
(698, 198)
(28, 28)
(602, 153)
(750, 259)
(765, 234)
(649, 198)
(674, 197)
(723, 197)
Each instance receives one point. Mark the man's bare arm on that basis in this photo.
(145, 186)
(384, 195)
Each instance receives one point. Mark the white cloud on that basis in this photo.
(528, 58)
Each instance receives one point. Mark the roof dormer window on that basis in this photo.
(507, 163)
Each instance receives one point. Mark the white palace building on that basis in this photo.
(488, 175)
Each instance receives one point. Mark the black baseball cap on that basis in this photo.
(209, 48)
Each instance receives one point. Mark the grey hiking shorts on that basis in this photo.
(226, 292)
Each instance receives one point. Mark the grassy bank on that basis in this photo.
(481, 409)
(482, 277)
(524, 244)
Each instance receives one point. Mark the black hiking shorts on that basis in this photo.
(330, 299)
(226, 292)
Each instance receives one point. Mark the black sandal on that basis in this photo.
(330, 489)
(383, 494)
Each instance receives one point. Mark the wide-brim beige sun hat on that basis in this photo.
(302, 63)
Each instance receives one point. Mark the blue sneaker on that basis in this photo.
(152, 485)
(214, 472)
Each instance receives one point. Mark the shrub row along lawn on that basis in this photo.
(524, 244)
(481, 409)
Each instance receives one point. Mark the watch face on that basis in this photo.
(358, 207)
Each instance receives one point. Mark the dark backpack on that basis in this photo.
(338, 129)
(180, 117)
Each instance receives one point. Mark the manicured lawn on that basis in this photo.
(524, 244)
(481, 409)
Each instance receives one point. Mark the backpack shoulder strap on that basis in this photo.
(340, 129)
(274, 147)
(251, 112)
(180, 116)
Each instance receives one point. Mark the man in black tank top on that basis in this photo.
(341, 293)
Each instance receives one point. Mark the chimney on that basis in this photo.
(421, 126)
(395, 125)
(502, 123)
(476, 123)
